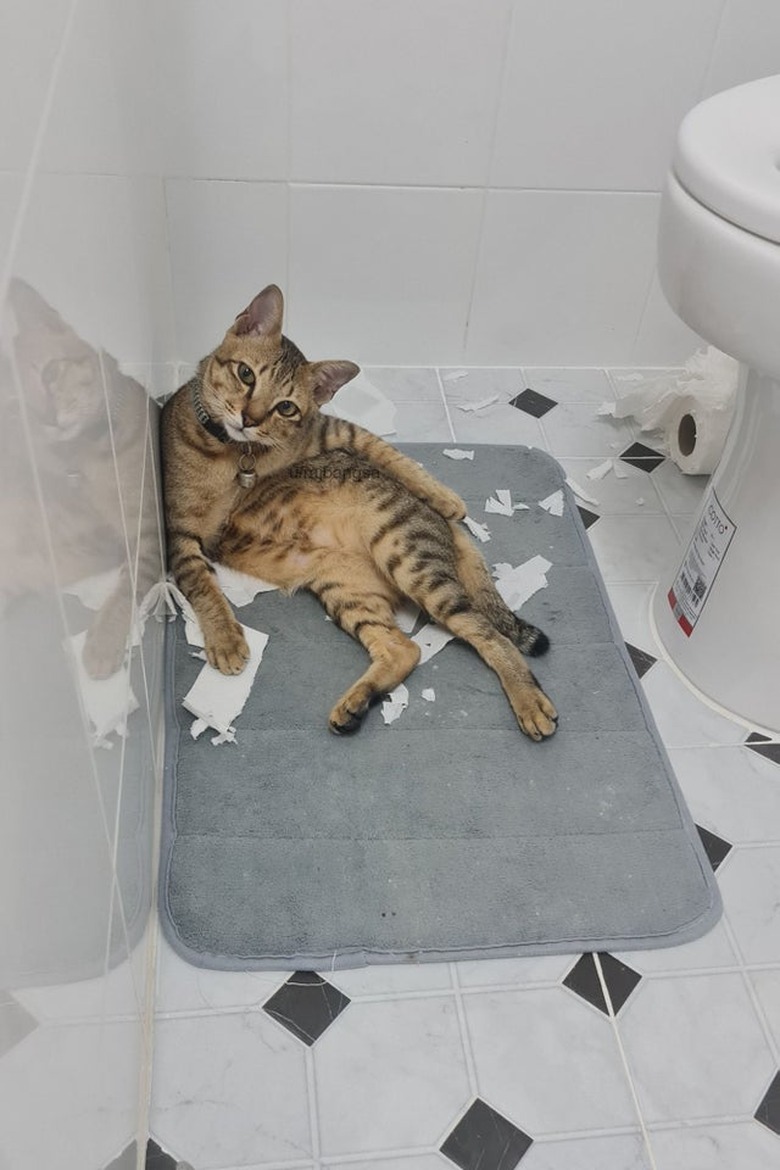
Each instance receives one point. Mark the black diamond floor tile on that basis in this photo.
(533, 403)
(645, 458)
(764, 747)
(157, 1159)
(619, 978)
(484, 1140)
(641, 659)
(768, 1112)
(715, 847)
(306, 1004)
(588, 518)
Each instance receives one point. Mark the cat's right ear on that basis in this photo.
(263, 317)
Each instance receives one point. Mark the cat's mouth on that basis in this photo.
(244, 435)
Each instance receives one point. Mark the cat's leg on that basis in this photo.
(359, 600)
(426, 569)
(224, 641)
(475, 577)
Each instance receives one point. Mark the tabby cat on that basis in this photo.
(256, 478)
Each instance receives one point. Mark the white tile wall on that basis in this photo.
(399, 275)
(395, 93)
(463, 100)
(227, 240)
(594, 92)
(561, 274)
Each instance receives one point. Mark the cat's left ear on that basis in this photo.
(328, 377)
(263, 317)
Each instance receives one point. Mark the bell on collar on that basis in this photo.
(247, 476)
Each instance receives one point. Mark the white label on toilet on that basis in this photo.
(709, 544)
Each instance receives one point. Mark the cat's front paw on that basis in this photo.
(227, 650)
(447, 503)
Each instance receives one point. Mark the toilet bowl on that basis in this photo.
(718, 614)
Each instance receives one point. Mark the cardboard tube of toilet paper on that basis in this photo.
(697, 435)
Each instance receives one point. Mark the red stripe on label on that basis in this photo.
(685, 625)
(670, 597)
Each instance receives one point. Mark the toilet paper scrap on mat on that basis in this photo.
(692, 407)
(518, 583)
(216, 699)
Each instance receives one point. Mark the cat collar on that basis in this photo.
(204, 418)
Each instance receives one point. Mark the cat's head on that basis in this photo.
(258, 385)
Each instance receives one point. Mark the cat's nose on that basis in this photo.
(246, 420)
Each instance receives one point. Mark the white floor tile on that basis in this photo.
(744, 1146)
(230, 1090)
(616, 495)
(631, 603)
(695, 1048)
(184, 988)
(570, 385)
(424, 422)
(497, 424)
(623, 1152)
(547, 1061)
(405, 383)
(733, 792)
(634, 548)
(767, 987)
(682, 719)
(390, 1076)
(749, 884)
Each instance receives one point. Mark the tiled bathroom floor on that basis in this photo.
(667, 1059)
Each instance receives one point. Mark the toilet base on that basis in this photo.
(718, 614)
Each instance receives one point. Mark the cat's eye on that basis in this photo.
(246, 374)
(287, 408)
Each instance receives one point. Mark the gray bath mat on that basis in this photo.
(446, 834)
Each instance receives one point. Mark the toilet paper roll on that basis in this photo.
(697, 435)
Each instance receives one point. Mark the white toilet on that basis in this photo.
(718, 616)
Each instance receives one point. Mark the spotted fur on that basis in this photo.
(334, 510)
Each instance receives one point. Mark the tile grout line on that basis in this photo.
(465, 1037)
(624, 1060)
(446, 404)
(313, 1103)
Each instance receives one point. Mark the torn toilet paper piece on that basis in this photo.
(553, 503)
(580, 492)
(406, 615)
(429, 694)
(107, 701)
(704, 391)
(481, 531)
(481, 405)
(395, 704)
(500, 503)
(218, 698)
(517, 584)
(454, 375)
(454, 453)
(619, 468)
(240, 588)
(362, 403)
(431, 639)
(600, 471)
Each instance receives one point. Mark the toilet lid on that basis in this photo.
(728, 156)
